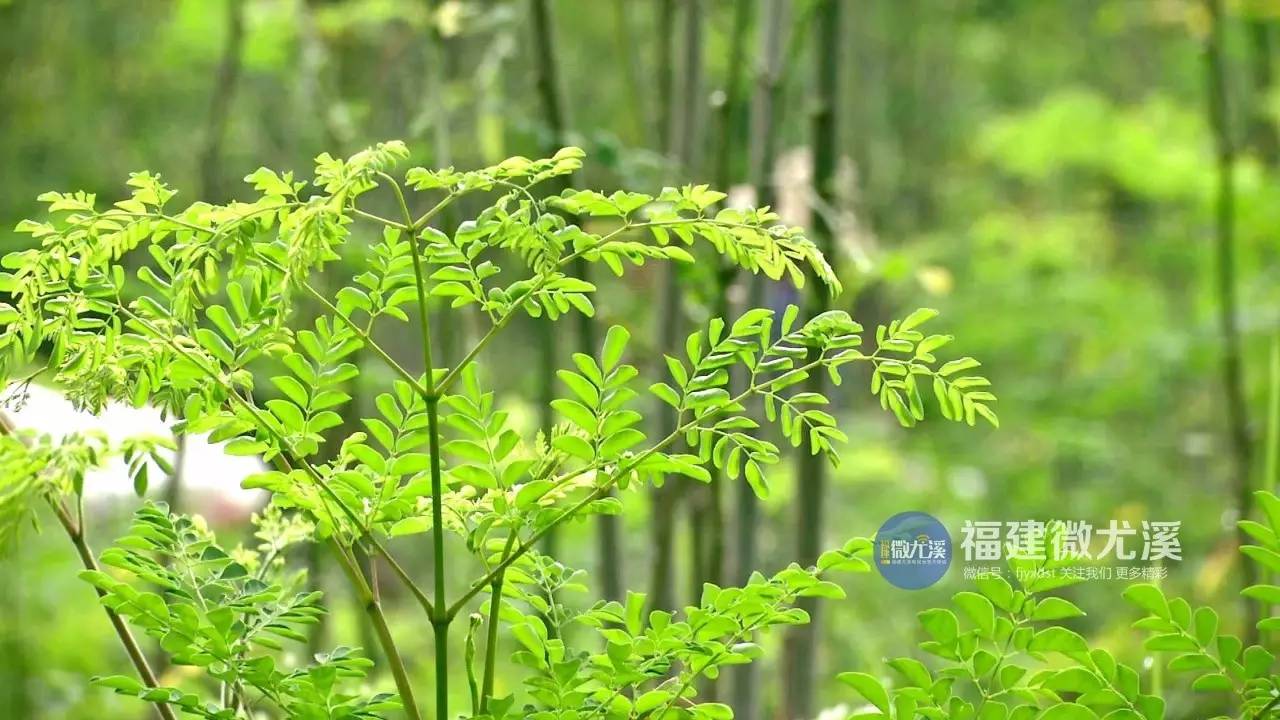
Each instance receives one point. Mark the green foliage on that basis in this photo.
(905, 353)
(985, 647)
(219, 287)
(35, 469)
(208, 610)
(647, 664)
(1004, 657)
(1218, 662)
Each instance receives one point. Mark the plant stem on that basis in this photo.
(306, 467)
(491, 643)
(374, 609)
(439, 623)
(75, 532)
(602, 490)
(136, 656)
(439, 620)
(424, 313)
(491, 638)
(1228, 320)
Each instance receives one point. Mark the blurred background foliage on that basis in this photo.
(1043, 172)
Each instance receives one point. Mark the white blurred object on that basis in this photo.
(210, 478)
(839, 712)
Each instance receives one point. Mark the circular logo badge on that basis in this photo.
(913, 550)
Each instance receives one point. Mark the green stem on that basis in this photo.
(440, 621)
(314, 474)
(424, 314)
(374, 609)
(75, 531)
(376, 218)
(491, 643)
(491, 638)
(439, 207)
(601, 491)
(136, 656)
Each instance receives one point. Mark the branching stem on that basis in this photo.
(136, 656)
(491, 637)
(600, 492)
(374, 609)
(439, 620)
(76, 533)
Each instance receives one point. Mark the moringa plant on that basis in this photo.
(1219, 663)
(1010, 659)
(1002, 655)
(202, 331)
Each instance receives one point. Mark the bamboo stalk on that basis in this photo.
(710, 565)
(1262, 130)
(1232, 368)
(745, 692)
(681, 148)
(811, 470)
(228, 79)
(609, 560)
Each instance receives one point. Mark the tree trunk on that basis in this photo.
(224, 90)
(639, 111)
(211, 180)
(1266, 143)
(773, 19)
(211, 186)
(710, 567)
(609, 563)
(665, 72)
(1225, 276)
(680, 144)
(1262, 130)
(811, 470)
(688, 139)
